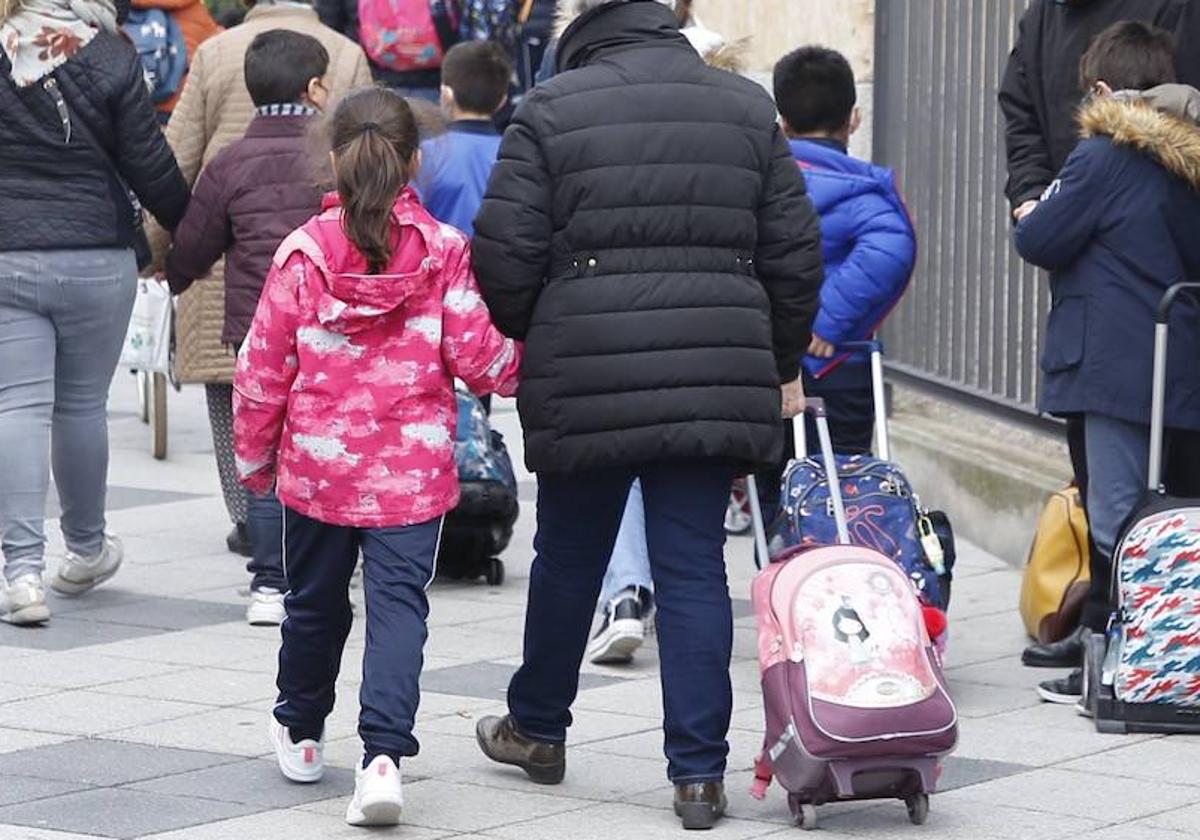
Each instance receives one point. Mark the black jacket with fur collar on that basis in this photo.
(648, 233)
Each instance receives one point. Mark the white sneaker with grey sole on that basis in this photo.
(378, 794)
(25, 602)
(77, 575)
(302, 762)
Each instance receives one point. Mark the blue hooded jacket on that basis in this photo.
(868, 240)
(455, 169)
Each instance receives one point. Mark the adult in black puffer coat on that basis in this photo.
(647, 233)
(78, 134)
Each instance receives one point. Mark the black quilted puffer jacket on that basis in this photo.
(59, 193)
(648, 233)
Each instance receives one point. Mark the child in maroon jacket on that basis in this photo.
(252, 195)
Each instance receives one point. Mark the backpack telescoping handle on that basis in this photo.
(1158, 402)
(816, 408)
(883, 441)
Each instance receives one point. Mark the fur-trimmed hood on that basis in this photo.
(1163, 122)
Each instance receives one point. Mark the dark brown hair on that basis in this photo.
(1129, 55)
(375, 143)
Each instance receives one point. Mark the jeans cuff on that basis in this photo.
(703, 779)
(524, 732)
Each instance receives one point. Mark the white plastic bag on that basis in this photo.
(148, 343)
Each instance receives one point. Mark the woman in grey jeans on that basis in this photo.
(80, 152)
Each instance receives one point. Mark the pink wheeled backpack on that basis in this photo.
(856, 704)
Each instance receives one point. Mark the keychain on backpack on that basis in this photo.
(931, 544)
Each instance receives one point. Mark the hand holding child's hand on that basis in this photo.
(793, 399)
(821, 348)
(1025, 209)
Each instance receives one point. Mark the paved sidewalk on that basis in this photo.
(140, 711)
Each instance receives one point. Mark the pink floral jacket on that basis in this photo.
(344, 393)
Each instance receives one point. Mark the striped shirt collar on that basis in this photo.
(285, 109)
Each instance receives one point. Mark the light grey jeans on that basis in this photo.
(63, 319)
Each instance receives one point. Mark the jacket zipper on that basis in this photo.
(50, 85)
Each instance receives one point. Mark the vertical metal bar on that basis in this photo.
(831, 475)
(756, 517)
(879, 394)
(1158, 406)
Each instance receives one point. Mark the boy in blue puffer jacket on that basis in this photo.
(867, 235)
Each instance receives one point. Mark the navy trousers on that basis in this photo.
(578, 519)
(264, 520)
(398, 564)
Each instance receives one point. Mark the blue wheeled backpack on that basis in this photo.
(162, 49)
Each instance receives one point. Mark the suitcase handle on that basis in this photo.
(1158, 403)
(816, 408)
(883, 441)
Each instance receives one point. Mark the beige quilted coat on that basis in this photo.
(214, 110)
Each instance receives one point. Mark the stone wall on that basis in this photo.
(775, 27)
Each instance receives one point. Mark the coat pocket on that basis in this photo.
(1066, 335)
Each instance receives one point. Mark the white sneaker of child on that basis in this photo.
(378, 794)
(303, 762)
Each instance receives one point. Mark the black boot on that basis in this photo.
(238, 541)
(1065, 654)
(700, 806)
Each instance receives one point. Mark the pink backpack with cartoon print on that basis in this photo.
(402, 35)
(855, 701)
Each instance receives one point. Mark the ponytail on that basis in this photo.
(375, 143)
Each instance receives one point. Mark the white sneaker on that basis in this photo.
(621, 633)
(304, 762)
(77, 575)
(266, 608)
(25, 601)
(378, 794)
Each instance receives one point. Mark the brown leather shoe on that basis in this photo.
(700, 806)
(545, 763)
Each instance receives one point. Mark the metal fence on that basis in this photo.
(975, 316)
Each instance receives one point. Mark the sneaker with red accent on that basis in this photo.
(303, 762)
(378, 794)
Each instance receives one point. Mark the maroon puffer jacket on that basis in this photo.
(254, 193)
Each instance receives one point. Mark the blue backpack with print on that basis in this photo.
(162, 49)
(882, 513)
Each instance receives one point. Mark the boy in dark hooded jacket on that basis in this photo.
(1116, 229)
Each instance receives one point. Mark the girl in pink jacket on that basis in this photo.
(344, 401)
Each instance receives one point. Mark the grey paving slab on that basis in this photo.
(90, 713)
(15, 789)
(166, 614)
(603, 822)
(455, 807)
(205, 686)
(80, 669)
(13, 740)
(105, 763)
(118, 813)
(489, 680)
(1003, 671)
(1083, 795)
(296, 824)
(1173, 760)
(20, 832)
(256, 783)
(69, 633)
(954, 818)
(234, 730)
(1186, 819)
(590, 776)
(111, 595)
(985, 638)
(197, 648)
(1040, 736)
(961, 772)
(640, 698)
(447, 610)
(975, 700)
(9, 693)
(125, 498)
(1137, 831)
(485, 640)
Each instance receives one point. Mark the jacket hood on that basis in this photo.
(842, 177)
(350, 299)
(1163, 122)
(616, 25)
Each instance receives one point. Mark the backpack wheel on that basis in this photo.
(918, 808)
(804, 812)
(495, 572)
